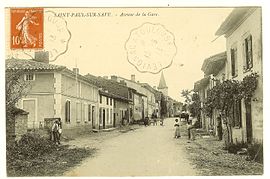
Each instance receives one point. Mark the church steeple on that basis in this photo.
(162, 85)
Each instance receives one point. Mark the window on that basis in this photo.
(130, 94)
(100, 99)
(237, 116)
(107, 100)
(111, 101)
(234, 63)
(78, 112)
(89, 112)
(248, 56)
(67, 111)
(100, 116)
(107, 115)
(29, 77)
(110, 116)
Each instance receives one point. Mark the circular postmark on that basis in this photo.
(150, 48)
(56, 36)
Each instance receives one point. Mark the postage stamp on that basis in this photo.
(26, 28)
(151, 48)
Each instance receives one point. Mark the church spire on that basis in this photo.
(162, 86)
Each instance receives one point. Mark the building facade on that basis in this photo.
(243, 33)
(214, 72)
(56, 92)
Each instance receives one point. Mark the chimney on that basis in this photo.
(106, 77)
(76, 70)
(114, 77)
(155, 87)
(42, 56)
(133, 77)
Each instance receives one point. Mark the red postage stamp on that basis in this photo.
(27, 30)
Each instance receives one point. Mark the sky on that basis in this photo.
(97, 43)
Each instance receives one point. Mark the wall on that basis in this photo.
(20, 125)
(119, 108)
(108, 115)
(137, 111)
(252, 25)
(43, 82)
(81, 95)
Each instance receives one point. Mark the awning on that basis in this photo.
(201, 83)
(214, 64)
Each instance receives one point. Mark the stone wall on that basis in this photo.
(20, 125)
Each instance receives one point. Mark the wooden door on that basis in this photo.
(248, 121)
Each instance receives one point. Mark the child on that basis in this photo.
(189, 126)
(177, 129)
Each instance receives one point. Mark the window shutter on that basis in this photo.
(244, 56)
(250, 52)
(232, 62)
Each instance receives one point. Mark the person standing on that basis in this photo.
(177, 129)
(59, 128)
(55, 132)
(189, 126)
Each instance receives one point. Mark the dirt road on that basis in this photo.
(147, 151)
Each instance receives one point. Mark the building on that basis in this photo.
(243, 32)
(151, 100)
(141, 96)
(158, 96)
(214, 72)
(106, 110)
(177, 108)
(162, 86)
(56, 92)
(116, 101)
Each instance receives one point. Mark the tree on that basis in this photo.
(163, 105)
(223, 96)
(187, 95)
(195, 106)
(16, 88)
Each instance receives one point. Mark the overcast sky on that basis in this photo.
(97, 43)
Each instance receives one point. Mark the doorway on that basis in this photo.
(114, 116)
(103, 118)
(248, 120)
(29, 105)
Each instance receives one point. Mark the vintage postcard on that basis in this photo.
(164, 91)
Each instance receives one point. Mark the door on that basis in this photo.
(248, 121)
(104, 118)
(30, 106)
(93, 117)
(114, 118)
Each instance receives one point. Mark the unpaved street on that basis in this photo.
(147, 151)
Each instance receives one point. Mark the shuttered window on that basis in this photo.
(234, 63)
(237, 116)
(67, 111)
(248, 54)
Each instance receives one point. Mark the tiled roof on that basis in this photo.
(31, 65)
(116, 89)
(148, 87)
(236, 17)
(25, 64)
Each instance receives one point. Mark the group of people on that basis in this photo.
(191, 127)
(56, 131)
